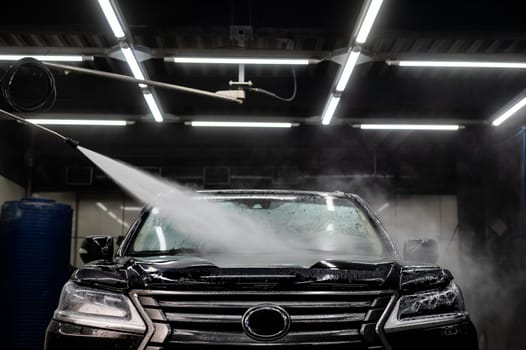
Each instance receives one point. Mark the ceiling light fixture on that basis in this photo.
(509, 112)
(328, 113)
(457, 64)
(129, 56)
(93, 122)
(368, 21)
(133, 64)
(352, 59)
(443, 127)
(241, 124)
(50, 58)
(113, 20)
(154, 108)
(239, 60)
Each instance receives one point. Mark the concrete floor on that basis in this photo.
(502, 325)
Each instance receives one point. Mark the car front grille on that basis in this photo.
(212, 319)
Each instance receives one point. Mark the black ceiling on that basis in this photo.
(404, 27)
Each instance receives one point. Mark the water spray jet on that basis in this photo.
(222, 227)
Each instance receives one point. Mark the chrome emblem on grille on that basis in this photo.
(266, 322)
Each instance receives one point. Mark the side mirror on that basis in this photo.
(96, 248)
(421, 250)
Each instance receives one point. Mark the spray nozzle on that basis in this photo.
(72, 143)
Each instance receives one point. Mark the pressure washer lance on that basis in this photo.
(68, 141)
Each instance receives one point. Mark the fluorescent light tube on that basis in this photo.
(111, 17)
(54, 58)
(330, 109)
(458, 64)
(233, 60)
(352, 59)
(444, 127)
(511, 111)
(154, 108)
(368, 21)
(133, 64)
(241, 124)
(78, 122)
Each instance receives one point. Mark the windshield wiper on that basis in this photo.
(174, 251)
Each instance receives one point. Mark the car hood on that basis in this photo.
(180, 273)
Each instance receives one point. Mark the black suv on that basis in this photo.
(342, 287)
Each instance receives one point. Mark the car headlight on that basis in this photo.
(98, 308)
(439, 306)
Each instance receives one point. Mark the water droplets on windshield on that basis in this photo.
(246, 227)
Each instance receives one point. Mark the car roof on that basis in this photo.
(278, 192)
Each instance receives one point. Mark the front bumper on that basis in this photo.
(65, 336)
(461, 336)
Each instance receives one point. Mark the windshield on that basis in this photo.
(316, 224)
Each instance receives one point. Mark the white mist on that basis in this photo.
(201, 220)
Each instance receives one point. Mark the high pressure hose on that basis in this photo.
(8, 86)
(68, 141)
(8, 82)
(276, 96)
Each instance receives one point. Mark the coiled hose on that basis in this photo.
(39, 70)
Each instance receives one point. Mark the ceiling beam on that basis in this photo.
(160, 53)
(237, 53)
(414, 56)
(412, 119)
(447, 35)
(53, 50)
(382, 118)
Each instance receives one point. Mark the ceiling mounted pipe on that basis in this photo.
(129, 79)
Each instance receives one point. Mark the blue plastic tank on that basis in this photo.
(35, 239)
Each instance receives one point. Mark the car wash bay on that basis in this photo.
(415, 106)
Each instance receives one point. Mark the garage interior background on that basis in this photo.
(465, 187)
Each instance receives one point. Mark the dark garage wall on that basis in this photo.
(312, 157)
(12, 154)
(12, 151)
